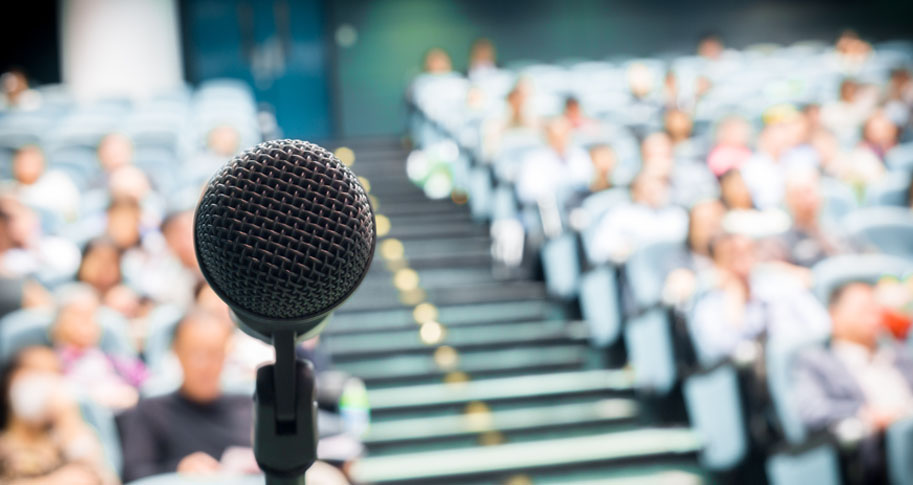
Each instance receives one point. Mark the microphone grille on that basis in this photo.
(284, 231)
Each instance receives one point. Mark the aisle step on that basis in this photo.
(368, 299)
(548, 417)
(389, 370)
(345, 321)
(505, 389)
(355, 347)
(444, 466)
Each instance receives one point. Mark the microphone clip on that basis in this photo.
(285, 414)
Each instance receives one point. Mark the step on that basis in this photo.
(356, 347)
(509, 311)
(426, 467)
(557, 416)
(476, 364)
(437, 231)
(366, 300)
(508, 388)
(640, 474)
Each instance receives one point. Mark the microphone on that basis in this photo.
(284, 234)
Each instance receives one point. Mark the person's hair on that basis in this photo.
(169, 219)
(710, 35)
(571, 100)
(124, 203)
(92, 245)
(7, 369)
(193, 317)
(838, 292)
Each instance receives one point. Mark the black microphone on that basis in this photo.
(284, 234)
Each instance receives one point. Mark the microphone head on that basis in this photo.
(284, 233)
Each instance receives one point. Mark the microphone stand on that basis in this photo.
(285, 415)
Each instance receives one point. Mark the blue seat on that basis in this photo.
(23, 328)
(561, 265)
(900, 158)
(480, 193)
(780, 358)
(899, 448)
(835, 271)
(600, 306)
(715, 410)
(101, 420)
(885, 229)
(819, 466)
(176, 479)
(839, 200)
(890, 191)
(648, 339)
(160, 324)
(647, 268)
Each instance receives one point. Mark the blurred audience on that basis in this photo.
(43, 438)
(561, 168)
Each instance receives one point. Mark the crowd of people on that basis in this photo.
(104, 310)
(750, 159)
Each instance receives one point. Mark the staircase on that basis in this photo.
(475, 380)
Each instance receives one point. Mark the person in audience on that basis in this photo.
(114, 151)
(17, 293)
(648, 217)
(742, 306)
(124, 223)
(899, 97)
(578, 120)
(844, 116)
(15, 92)
(561, 169)
(656, 152)
(857, 378)
(437, 61)
(734, 192)
(710, 46)
(109, 380)
(851, 52)
(704, 222)
(879, 134)
(169, 273)
(482, 59)
(678, 126)
(604, 162)
(223, 141)
(101, 265)
(48, 190)
(197, 430)
(43, 438)
(26, 251)
(807, 242)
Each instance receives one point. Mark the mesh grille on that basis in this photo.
(284, 231)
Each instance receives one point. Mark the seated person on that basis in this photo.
(604, 162)
(734, 193)
(648, 217)
(49, 190)
(744, 302)
(806, 242)
(560, 169)
(196, 429)
(43, 439)
(704, 222)
(109, 380)
(854, 377)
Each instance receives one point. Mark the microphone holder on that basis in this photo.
(285, 415)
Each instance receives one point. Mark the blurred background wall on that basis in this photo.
(339, 68)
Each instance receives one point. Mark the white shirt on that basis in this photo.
(546, 173)
(623, 229)
(883, 385)
(53, 192)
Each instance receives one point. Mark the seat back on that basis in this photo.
(819, 465)
(647, 268)
(899, 447)
(715, 410)
(600, 305)
(648, 339)
(886, 229)
(561, 265)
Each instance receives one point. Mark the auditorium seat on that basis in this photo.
(715, 410)
(884, 229)
(899, 448)
(818, 465)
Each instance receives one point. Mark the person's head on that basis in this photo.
(224, 140)
(880, 131)
(650, 188)
(704, 221)
(851, 46)
(437, 61)
(734, 253)
(28, 385)
(678, 125)
(482, 54)
(114, 151)
(124, 220)
(901, 81)
(130, 183)
(710, 46)
(855, 314)
(849, 88)
(19, 225)
(100, 265)
(572, 109)
(76, 325)
(178, 231)
(734, 191)
(201, 343)
(656, 148)
(519, 95)
(733, 131)
(640, 80)
(207, 300)
(603, 158)
(803, 195)
(28, 164)
(14, 82)
(558, 135)
(812, 114)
